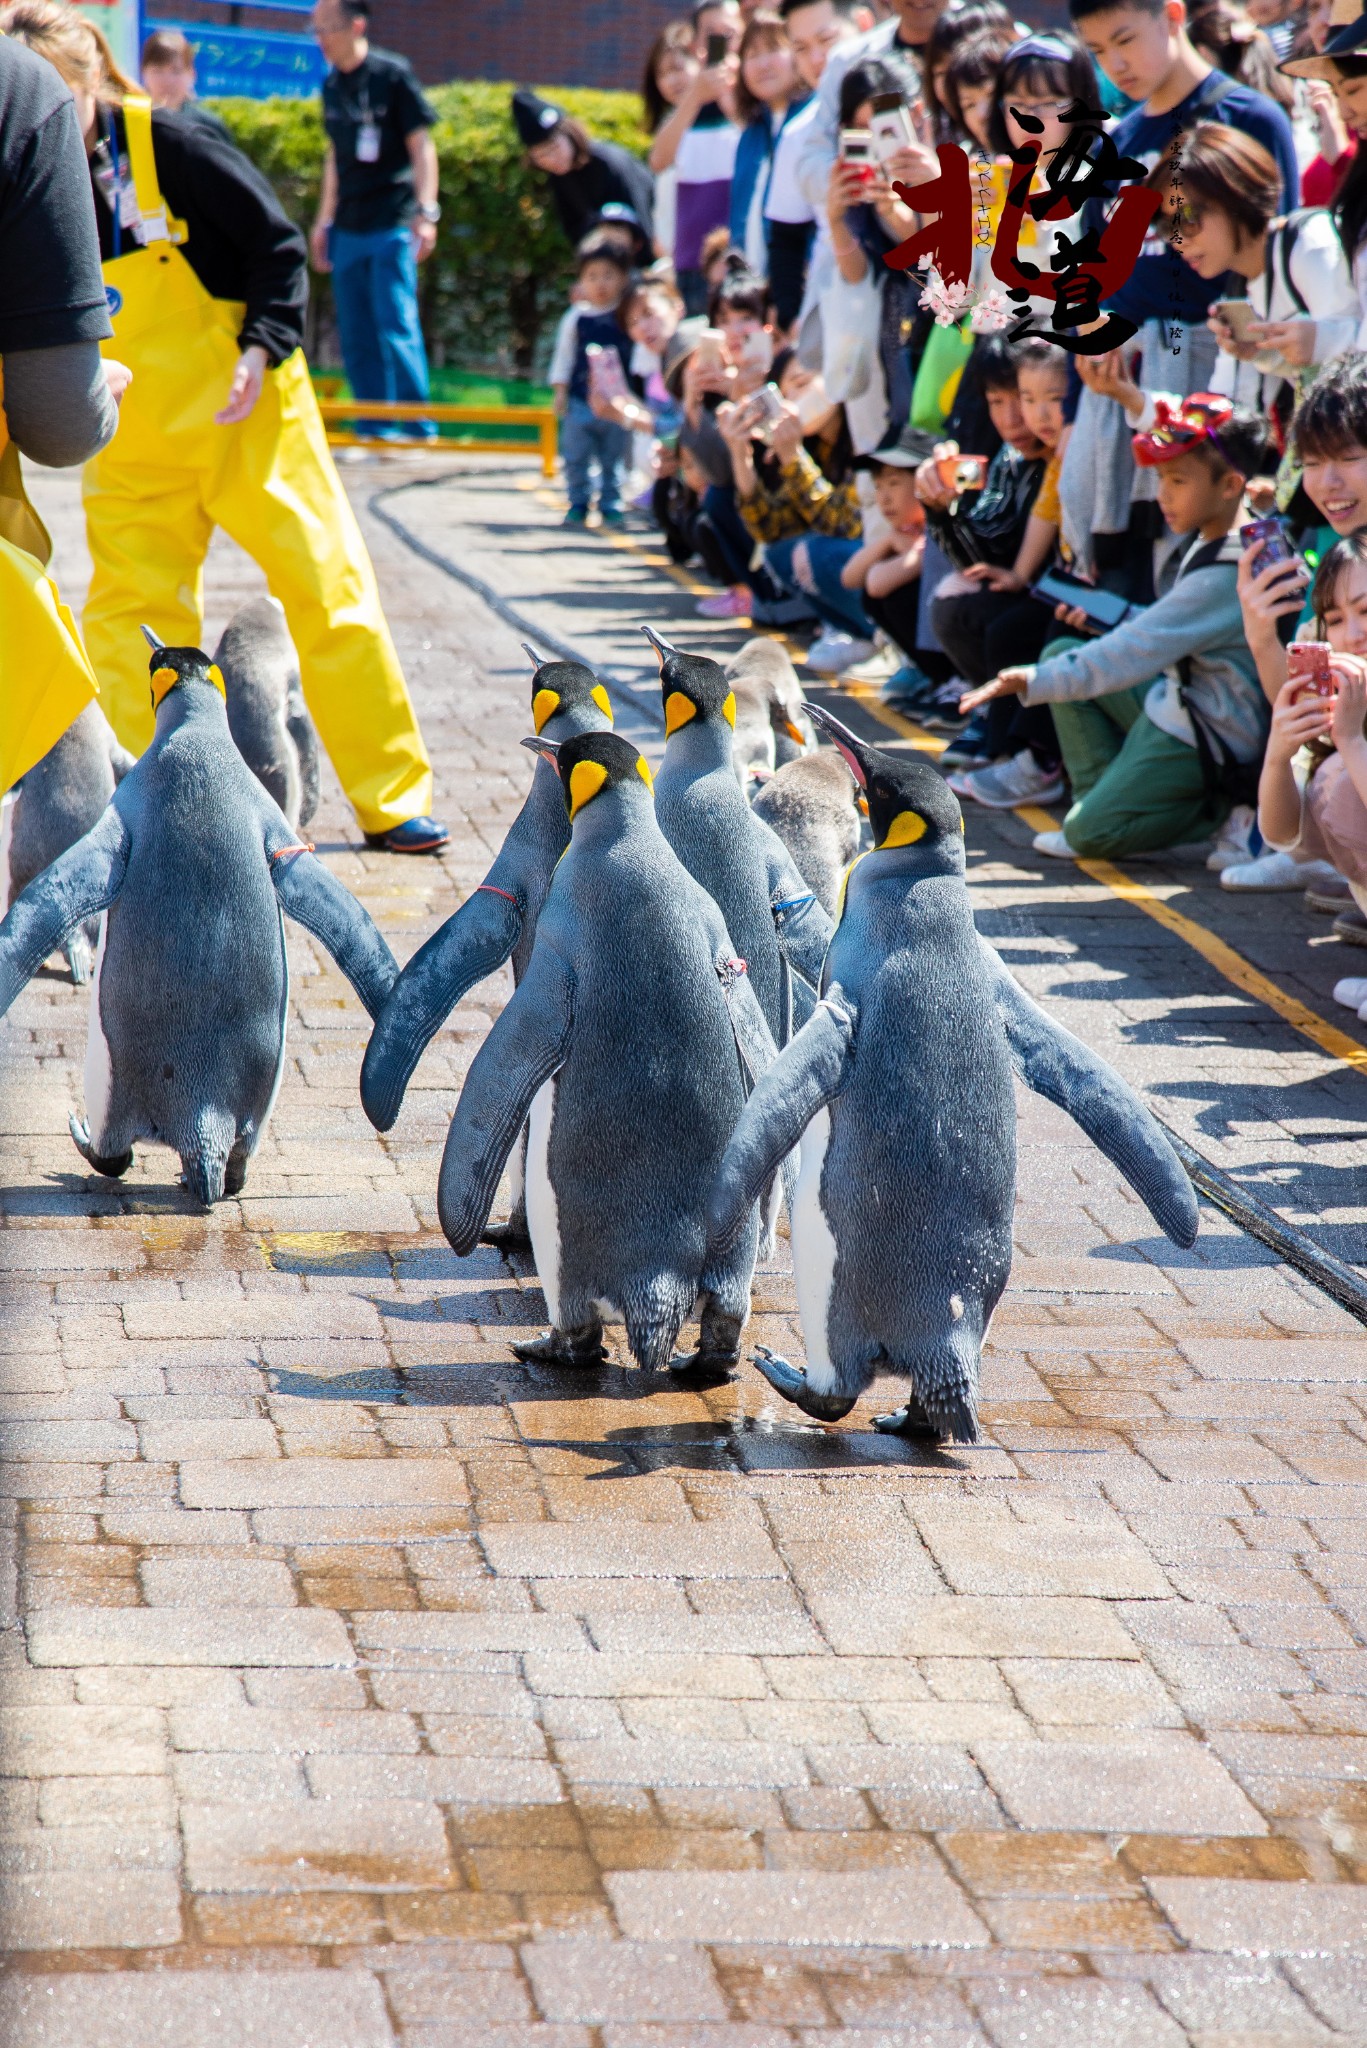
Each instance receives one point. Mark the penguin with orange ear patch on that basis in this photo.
(193, 863)
(623, 1046)
(900, 1089)
(496, 922)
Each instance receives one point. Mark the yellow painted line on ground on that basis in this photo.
(1222, 956)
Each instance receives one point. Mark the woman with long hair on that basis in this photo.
(206, 284)
(670, 69)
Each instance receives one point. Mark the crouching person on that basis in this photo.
(1162, 720)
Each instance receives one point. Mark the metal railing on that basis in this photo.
(540, 418)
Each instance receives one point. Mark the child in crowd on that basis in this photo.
(987, 525)
(1161, 719)
(887, 570)
(1031, 773)
(698, 140)
(1312, 796)
(602, 269)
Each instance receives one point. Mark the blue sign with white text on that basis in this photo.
(249, 63)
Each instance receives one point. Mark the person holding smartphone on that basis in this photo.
(699, 140)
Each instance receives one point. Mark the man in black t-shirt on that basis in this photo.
(377, 211)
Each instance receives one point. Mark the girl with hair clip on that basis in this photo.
(956, 26)
(1312, 794)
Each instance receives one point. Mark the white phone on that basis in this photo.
(890, 126)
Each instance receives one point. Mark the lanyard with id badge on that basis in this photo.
(367, 132)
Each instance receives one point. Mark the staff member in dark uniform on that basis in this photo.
(586, 176)
(377, 210)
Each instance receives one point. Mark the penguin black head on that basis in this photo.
(691, 686)
(563, 686)
(592, 762)
(910, 803)
(171, 666)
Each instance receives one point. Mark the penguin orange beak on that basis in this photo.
(851, 748)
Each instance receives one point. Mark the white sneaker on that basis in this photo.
(882, 663)
(1006, 784)
(833, 652)
(1233, 841)
(1275, 871)
(1056, 846)
(1352, 993)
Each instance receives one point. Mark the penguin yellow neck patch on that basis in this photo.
(602, 700)
(906, 828)
(163, 679)
(586, 779)
(643, 770)
(728, 709)
(678, 710)
(543, 704)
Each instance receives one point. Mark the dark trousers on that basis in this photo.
(897, 614)
(986, 632)
(790, 246)
(726, 544)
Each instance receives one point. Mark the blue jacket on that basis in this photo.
(754, 166)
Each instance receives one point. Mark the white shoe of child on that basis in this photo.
(1352, 992)
(1275, 871)
(1233, 841)
(1019, 780)
(1055, 844)
(833, 652)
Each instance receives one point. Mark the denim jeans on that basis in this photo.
(584, 440)
(820, 583)
(375, 290)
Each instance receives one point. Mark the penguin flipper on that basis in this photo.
(80, 884)
(527, 1044)
(300, 728)
(808, 1073)
(1054, 1063)
(315, 899)
(473, 943)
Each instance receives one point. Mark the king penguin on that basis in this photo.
(778, 926)
(192, 862)
(625, 1040)
(900, 1090)
(812, 803)
(267, 715)
(55, 805)
(497, 921)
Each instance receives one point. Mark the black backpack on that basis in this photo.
(1224, 778)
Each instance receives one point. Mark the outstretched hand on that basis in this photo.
(1012, 682)
(248, 378)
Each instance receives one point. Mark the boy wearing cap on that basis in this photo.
(1162, 719)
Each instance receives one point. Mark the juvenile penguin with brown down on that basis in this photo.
(900, 1091)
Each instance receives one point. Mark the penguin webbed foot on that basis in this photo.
(704, 1368)
(112, 1168)
(577, 1348)
(512, 1236)
(791, 1381)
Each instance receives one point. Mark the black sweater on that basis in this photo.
(611, 173)
(240, 244)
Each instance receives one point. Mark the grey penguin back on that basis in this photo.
(267, 715)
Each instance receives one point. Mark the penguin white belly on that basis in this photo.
(543, 1215)
(814, 1254)
(266, 1113)
(99, 1068)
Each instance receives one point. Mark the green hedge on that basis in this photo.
(496, 284)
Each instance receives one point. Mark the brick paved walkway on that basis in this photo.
(362, 1687)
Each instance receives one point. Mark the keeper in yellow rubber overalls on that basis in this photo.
(207, 287)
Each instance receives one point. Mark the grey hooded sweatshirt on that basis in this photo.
(1195, 615)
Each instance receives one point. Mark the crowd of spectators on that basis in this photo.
(1121, 568)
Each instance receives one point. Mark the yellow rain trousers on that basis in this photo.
(154, 496)
(45, 678)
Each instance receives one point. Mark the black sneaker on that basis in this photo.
(416, 835)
